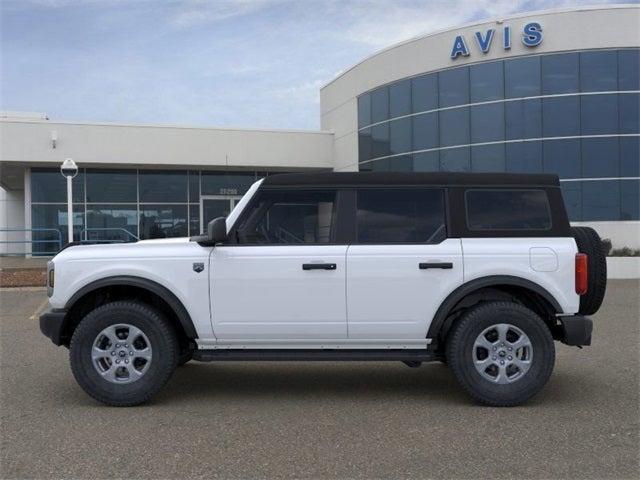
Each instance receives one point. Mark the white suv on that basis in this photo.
(481, 271)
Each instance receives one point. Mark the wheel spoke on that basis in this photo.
(482, 341)
(502, 329)
(111, 373)
(144, 353)
(98, 353)
(502, 377)
(134, 332)
(523, 365)
(133, 373)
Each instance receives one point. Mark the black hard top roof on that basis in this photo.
(402, 178)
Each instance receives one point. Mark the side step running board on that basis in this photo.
(313, 355)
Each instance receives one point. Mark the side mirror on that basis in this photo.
(217, 230)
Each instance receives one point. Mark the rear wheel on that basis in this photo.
(123, 352)
(589, 242)
(501, 352)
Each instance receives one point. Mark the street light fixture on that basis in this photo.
(69, 169)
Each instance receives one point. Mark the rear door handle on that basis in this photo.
(443, 265)
(319, 266)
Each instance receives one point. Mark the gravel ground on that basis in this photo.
(322, 420)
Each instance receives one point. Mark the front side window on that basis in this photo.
(507, 210)
(401, 216)
(290, 218)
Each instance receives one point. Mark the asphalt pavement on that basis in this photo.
(322, 420)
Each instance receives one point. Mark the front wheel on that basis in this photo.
(501, 352)
(123, 353)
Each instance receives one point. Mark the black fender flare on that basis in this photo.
(127, 280)
(462, 291)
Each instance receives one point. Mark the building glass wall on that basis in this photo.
(575, 114)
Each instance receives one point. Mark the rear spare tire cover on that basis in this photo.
(589, 242)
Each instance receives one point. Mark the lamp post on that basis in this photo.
(69, 169)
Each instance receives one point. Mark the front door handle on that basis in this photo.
(443, 265)
(319, 266)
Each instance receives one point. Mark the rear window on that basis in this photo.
(401, 216)
(507, 210)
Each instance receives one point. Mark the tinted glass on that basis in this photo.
(425, 131)
(561, 116)
(292, 217)
(572, 195)
(401, 163)
(163, 221)
(400, 98)
(600, 157)
(487, 158)
(401, 216)
(424, 93)
(400, 135)
(194, 186)
(507, 210)
(600, 200)
(630, 156)
(453, 87)
(364, 110)
(54, 219)
(116, 186)
(487, 81)
(522, 77)
(629, 70)
(562, 157)
(455, 160)
(194, 219)
(629, 113)
(599, 114)
(629, 200)
(109, 222)
(560, 73)
(454, 127)
(487, 123)
(163, 186)
(379, 105)
(426, 162)
(365, 146)
(523, 119)
(523, 157)
(599, 71)
(380, 140)
(226, 183)
(48, 185)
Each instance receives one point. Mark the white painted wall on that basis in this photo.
(621, 234)
(11, 217)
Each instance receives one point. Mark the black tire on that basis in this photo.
(589, 242)
(164, 353)
(460, 351)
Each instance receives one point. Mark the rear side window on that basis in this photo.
(401, 216)
(507, 210)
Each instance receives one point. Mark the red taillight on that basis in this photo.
(582, 273)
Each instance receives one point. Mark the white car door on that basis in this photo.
(402, 266)
(285, 277)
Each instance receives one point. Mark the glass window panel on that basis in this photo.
(380, 140)
(560, 73)
(523, 119)
(194, 219)
(112, 186)
(400, 98)
(487, 81)
(455, 160)
(507, 210)
(561, 116)
(226, 183)
(600, 200)
(426, 161)
(163, 221)
(365, 146)
(53, 217)
(424, 93)
(630, 156)
(562, 157)
(365, 167)
(572, 195)
(487, 158)
(599, 114)
(291, 217)
(524, 157)
(629, 69)
(600, 157)
(194, 186)
(599, 71)
(380, 104)
(163, 186)
(454, 127)
(383, 165)
(629, 112)
(425, 131)
(49, 186)
(401, 216)
(400, 135)
(364, 110)
(453, 86)
(522, 77)
(109, 222)
(403, 163)
(630, 200)
(487, 123)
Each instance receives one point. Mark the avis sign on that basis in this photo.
(531, 37)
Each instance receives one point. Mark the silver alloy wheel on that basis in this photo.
(502, 353)
(121, 353)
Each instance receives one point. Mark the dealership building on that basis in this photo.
(554, 91)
